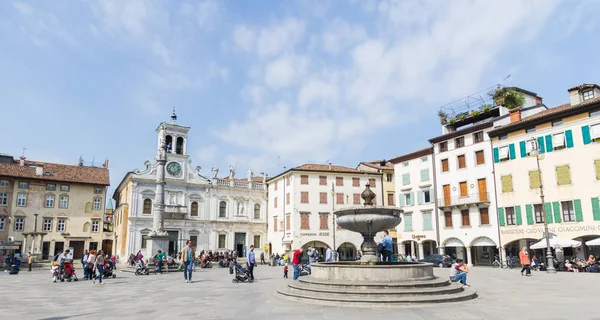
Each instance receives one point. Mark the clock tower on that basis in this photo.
(175, 140)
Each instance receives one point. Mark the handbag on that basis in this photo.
(180, 267)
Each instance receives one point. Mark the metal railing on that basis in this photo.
(472, 198)
(239, 184)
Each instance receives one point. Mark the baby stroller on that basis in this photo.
(68, 272)
(108, 269)
(141, 268)
(241, 274)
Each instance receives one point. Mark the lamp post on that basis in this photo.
(549, 260)
(333, 217)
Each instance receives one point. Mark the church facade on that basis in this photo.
(214, 213)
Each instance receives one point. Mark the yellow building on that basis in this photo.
(53, 206)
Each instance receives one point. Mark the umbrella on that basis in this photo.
(556, 242)
(595, 242)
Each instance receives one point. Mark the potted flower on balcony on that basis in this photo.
(474, 113)
(486, 107)
(508, 97)
(462, 117)
(443, 117)
(452, 120)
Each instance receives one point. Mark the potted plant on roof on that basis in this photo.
(486, 107)
(475, 113)
(462, 116)
(452, 120)
(443, 117)
(508, 97)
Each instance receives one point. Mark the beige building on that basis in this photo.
(46, 207)
(568, 137)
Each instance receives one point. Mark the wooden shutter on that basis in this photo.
(461, 162)
(482, 186)
(356, 197)
(596, 208)
(425, 175)
(323, 221)
(427, 221)
(448, 219)
(466, 221)
(445, 165)
(408, 222)
(480, 158)
(287, 222)
(563, 175)
(597, 166)
(549, 143)
(275, 224)
(519, 217)
(548, 208)
(585, 133)
(501, 216)
(463, 189)
(339, 181)
(401, 199)
(323, 197)
(446, 194)
(340, 198)
(484, 216)
(534, 179)
(304, 196)
(557, 212)
(541, 145)
(323, 180)
(523, 149)
(507, 185)
(578, 212)
(496, 155)
(529, 213)
(390, 199)
(372, 183)
(356, 182)
(304, 179)
(304, 221)
(511, 150)
(406, 179)
(275, 202)
(420, 197)
(569, 138)
(287, 198)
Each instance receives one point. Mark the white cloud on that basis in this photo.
(207, 13)
(280, 36)
(285, 71)
(339, 35)
(244, 37)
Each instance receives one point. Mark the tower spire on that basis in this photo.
(174, 116)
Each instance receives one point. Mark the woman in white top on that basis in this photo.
(90, 264)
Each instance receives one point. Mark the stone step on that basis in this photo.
(352, 291)
(425, 283)
(369, 301)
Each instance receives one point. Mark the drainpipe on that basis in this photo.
(496, 199)
(435, 199)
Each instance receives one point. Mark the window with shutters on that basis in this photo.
(324, 221)
(323, 180)
(595, 132)
(287, 198)
(408, 200)
(563, 175)
(597, 167)
(503, 153)
(356, 182)
(390, 199)
(275, 201)
(424, 175)
(484, 217)
(534, 179)
(479, 157)
(466, 221)
(3, 198)
(567, 211)
(304, 179)
(275, 224)
(445, 167)
(539, 213)
(464, 192)
(443, 146)
(304, 221)
(507, 185)
(478, 137)
(427, 225)
(194, 209)
(448, 219)
(557, 123)
(372, 183)
(323, 197)
(389, 177)
(405, 164)
(406, 179)
(461, 161)
(339, 181)
(304, 197)
(356, 197)
(339, 198)
(510, 216)
(147, 206)
(427, 196)
(408, 222)
(281, 225)
(459, 142)
(558, 141)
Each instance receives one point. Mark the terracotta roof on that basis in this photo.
(461, 132)
(413, 155)
(326, 168)
(584, 86)
(56, 172)
(377, 164)
(546, 115)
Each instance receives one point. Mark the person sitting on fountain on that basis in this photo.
(387, 249)
(461, 272)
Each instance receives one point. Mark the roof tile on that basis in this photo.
(56, 172)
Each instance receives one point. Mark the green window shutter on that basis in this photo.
(412, 199)
(401, 200)
(529, 212)
(420, 197)
(512, 152)
(549, 143)
(569, 138)
(548, 208)
(408, 222)
(541, 144)
(596, 208)
(557, 212)
(519, 218)
(427, 221)
(425, 175)
(405, 179)
(523, 149)
(578, 212)
(501, 216)
(585, 133)
(496, 155)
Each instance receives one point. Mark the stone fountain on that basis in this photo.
(368, 282)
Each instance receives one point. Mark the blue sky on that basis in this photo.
(267, 84)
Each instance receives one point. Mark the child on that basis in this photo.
(285, 270)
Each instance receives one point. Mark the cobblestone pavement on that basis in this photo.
(503, 294)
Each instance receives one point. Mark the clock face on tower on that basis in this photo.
(174, 169)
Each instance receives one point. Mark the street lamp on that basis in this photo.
(333, 217)
(549, 260)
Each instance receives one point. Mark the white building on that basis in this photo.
(464, 181)
(301, 202)
(417, 234)
(215, 214)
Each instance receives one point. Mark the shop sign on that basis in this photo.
(314, 234)
(419, 237)
(553, 229)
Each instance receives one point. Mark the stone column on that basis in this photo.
(470, 264)
(441, 250)
(159, 239)
(503, 254)
(421, 254)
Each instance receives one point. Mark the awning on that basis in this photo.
(13, 247)
(453, 242)
(595, 242)
(556, 242)
(483, 242)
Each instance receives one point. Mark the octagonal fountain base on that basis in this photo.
(381, 284)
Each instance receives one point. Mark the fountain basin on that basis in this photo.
(380, 272)
(368, 220)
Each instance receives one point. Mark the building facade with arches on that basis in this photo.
(214, 213)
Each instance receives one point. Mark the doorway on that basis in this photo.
(446, 195)
(77, 248)
(240, 244)
(59, 247)
(45, 250)
(482, 185)
(107, 247)
(173, 243)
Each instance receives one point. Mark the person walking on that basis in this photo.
(99, 266)
(187, 258)
(86, 255)
(387, 247)
(297, 263)
(328, 254)
(262, 258)
(90, 263)
(29, 261)
(160, 256)
(251, 262)
(525, 261)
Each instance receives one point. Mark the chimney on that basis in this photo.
(538, 100)
(330, 166)
(39, 170)
(515, 115)
(106, 164)
(22, 161)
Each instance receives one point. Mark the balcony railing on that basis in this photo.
(239, 184)
(473, 198)
(175, 209)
